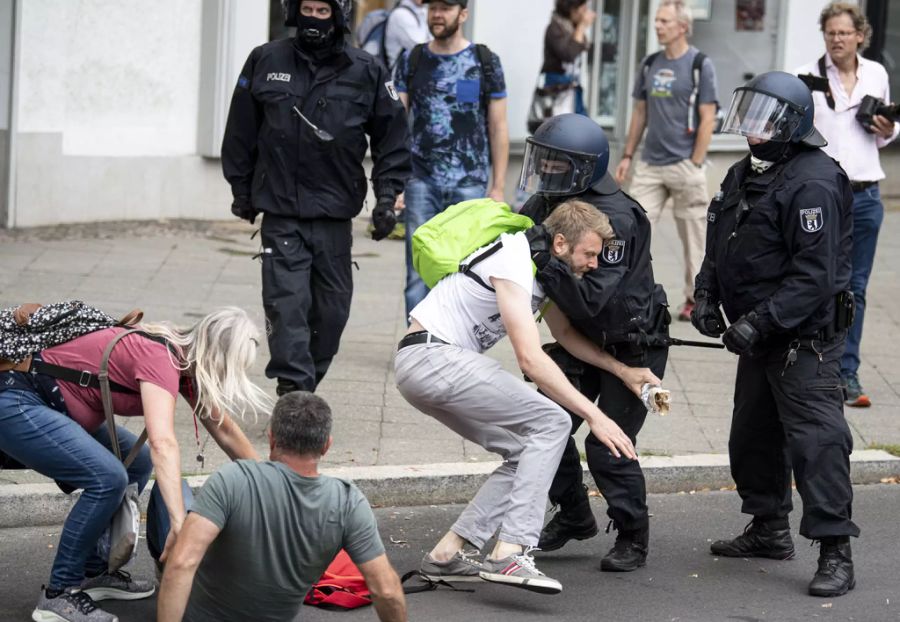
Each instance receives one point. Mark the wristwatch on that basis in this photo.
(697, 165)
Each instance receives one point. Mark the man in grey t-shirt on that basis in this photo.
(261, 533)
(680, 122)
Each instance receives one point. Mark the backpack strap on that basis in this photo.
(829, 97)
(466, 268)
(645, 68)
(694, 99)
(485, 59)
(412, 65)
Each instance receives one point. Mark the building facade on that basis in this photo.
(115, 110)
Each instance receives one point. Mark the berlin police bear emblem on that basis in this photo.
(613, 251)
(811, 219)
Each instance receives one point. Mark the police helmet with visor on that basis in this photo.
(774, 106)
(568, 154)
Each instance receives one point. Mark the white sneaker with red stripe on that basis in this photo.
(519, 571)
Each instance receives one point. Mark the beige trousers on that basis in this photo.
(685, 184)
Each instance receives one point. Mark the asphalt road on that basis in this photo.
(682, 581)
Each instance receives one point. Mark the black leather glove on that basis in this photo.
(707, 316)
(742, 335)
(241, 208)
(539, 242)
(383, 218)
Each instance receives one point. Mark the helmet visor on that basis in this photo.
(759, 115)
(550, 171)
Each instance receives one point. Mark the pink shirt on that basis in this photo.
(855, 149)
(135, 359)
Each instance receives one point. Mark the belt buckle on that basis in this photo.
(84, 380)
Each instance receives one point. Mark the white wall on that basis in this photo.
(108, 105)
(515, 31)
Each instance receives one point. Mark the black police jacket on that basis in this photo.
(619, 300)
(270, 155)
(779, 243)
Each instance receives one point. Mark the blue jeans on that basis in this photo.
(158, 518)
(49, 442)
(425, 200)
(868, 213)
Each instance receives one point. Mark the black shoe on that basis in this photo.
(575, 524)
(835, 574)
(285, 386)
(629, 553)
(760, 539)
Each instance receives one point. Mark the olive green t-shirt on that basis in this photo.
(280, 531)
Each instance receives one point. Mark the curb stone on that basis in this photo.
(29, 505)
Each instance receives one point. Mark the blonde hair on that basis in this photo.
(573, 218)
(217, 351)
(682, 13)
(860, 23)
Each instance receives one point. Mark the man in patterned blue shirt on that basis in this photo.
(459, 128)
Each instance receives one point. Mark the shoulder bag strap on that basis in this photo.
(693, 101)
(829, 98)
(106, 398)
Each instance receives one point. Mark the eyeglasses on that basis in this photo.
(840, 34)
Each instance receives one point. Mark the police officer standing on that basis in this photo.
(619, 307)
(778, 261)
(293, 150)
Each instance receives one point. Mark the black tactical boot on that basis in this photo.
(835, 574)
(630, 551)
(285, 386)
(575, 523)
(761, 538)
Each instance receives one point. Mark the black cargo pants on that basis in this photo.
(306, 289)
(792, 415)
(620, 480)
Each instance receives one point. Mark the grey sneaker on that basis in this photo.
(117, 586)
(460, 567)
(853, 393)
(71, 605)
(519, 571)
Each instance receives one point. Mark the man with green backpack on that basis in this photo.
(442, 371)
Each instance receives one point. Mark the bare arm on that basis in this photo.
(704, 132)
(498, 134)
(635, 132)
(229, 436)
(197, 534)
(159, 418)
(515, 311)
(387, 593)
(582, 348)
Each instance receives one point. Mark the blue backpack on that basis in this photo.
(370, 35)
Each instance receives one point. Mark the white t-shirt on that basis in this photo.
(461, 311)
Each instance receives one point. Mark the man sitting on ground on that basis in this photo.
(261, 533)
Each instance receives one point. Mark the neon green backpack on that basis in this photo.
(445, 240)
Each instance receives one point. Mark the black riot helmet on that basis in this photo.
(774, 106)
(340, 10)
(568, 154)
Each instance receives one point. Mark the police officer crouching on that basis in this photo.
(619, 307)
(778, 262)
(293, 150)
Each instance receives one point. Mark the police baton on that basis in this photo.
(672, 341)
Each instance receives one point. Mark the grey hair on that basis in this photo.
(683, 14)
(301, 423)
(860, 22)
(217, 351)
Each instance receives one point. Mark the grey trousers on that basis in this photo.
(475, 397)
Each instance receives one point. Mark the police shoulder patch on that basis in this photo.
(243, 82)
(613, 251)
(811, 219)
(391, 90)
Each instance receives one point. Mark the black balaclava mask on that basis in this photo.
(314, 33)
(770, 151)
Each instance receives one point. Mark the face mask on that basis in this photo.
(769, 151)
(314, 33)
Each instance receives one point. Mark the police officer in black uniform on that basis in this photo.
(620, 308)
(293, 150)
(778, 262)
